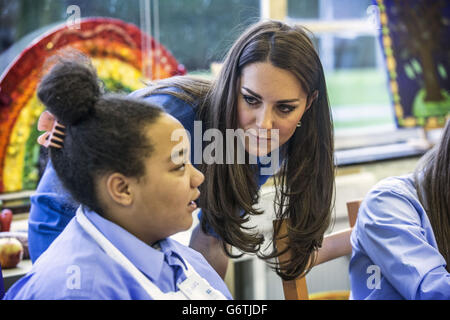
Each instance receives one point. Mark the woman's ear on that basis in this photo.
(119, 189)
(311, 99)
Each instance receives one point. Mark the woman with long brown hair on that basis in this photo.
(272, 88)
(402, 235)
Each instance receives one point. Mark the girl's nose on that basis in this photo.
(197, 177)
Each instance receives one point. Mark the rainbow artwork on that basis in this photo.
(117, 50)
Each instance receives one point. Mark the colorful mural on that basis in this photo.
(117, 50)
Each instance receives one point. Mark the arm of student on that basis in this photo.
(211, 248)
(393, 234)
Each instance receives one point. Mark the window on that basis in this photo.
(197, 32)
(353, 63)
(348, 42)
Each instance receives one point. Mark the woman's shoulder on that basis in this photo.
(165, 97)
(174, 101)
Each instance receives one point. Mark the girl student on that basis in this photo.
(136, 187)
(401, 239)
(272, 85)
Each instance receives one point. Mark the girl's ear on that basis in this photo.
(118, 188)
(311, 99)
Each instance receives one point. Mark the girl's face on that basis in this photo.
(165, 194)
(269, 98)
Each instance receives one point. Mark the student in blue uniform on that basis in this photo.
(136, 187)
(271, 79)
(401, 238)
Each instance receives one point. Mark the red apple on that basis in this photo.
(11, 252)
(5, 220)
(22, 236)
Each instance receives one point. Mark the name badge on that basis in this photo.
(197, 288)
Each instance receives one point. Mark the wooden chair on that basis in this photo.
(334, 246)
(352, 211)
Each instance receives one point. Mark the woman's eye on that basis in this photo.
(250, 100)
(284, 108)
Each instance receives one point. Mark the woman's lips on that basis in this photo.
(263, 141)
(259, 138)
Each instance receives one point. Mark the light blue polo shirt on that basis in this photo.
(395, 255)
(76, 267)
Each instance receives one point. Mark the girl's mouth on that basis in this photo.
(192, 205)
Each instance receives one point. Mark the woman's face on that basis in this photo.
(269, 98)
(165, 194)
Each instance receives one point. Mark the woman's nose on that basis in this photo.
(264, 118)
(197, 177)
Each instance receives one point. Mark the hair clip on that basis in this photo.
(54, 137)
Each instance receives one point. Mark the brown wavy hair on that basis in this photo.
(432, 181)
(305, 181)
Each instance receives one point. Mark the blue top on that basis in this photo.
(76, 267)
(395, 255)
(51, 207)
(2, 287)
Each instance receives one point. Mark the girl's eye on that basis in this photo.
(181, 167)
(285, 108)
(250, 100)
